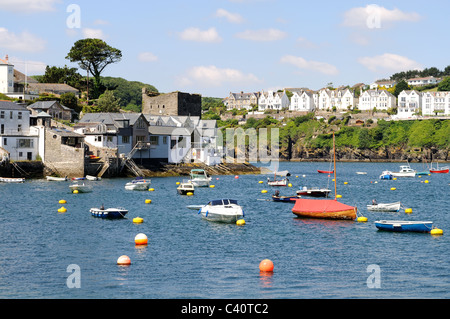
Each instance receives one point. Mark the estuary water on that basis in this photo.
(188, 257)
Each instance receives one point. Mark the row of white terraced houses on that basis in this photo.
(408, 103)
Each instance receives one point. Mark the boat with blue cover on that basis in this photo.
(404, 226)
(112, 213)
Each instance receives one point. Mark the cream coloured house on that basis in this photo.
(379, 99)
(303, 101)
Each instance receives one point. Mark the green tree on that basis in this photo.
(94, 55)
(107, 102)
(444, 85)
(70, 100)
(66, 75)
(400, 86)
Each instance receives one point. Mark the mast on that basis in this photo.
(334, 169)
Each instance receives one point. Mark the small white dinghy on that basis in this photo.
(384, 207)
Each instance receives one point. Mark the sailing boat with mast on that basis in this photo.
(325, 208)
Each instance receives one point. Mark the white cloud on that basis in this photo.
(301, 63)
(28, 67)
(231, 17)
(305, 43)
(373, 16)
(147, 57)
(197, 35)
(212, 76)
(24, 41)
(262, 35)
(93, 33)
(28, 6)
(389, 62)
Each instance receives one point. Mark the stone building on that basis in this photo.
(174, 103)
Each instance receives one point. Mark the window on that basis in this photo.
(125, 139)
(154, 140)
(19, 115)
(164, 140)
(5, 141)
(24, 143)
(2, 114)
(19, 127)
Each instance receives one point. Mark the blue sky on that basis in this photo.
(219, 46)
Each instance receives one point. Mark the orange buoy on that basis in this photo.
(141, 239)
(266, 265)
(124, 260)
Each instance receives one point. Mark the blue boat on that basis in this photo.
(404, 226)
(386, 175)
(112, 213)
(285, 199)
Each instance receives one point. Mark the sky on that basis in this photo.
(214, 47)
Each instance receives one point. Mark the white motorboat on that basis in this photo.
(93, 178)
(384, 207)
(314, 191)
(185, 187)
(199, 178)
(11, 180)
(139, 184)
(80, 187)
(222, 210)
(56, 179)
(405, 171)
(279, 182)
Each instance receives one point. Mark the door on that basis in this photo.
(29, 156)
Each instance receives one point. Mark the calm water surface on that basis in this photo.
(188, 257)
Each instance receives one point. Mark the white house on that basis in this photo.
(342, 99)
(271, 100)
(380, 83)
(303, 101)
(420, 81)
(17, 138)
(436, 103)
(379, 99)
(6, 76)
(409, 103)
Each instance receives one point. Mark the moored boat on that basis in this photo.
(185, 187)
(285, 199)
(80, 187)
(385, 207)
(313, 191)
(199, 177)
(93, 178)
(222, 210)
(12, 180)
(279, 182)
(386, 175)
(439, 170)
(325, 208)
(138, 184)
(108, 212)
(324, 172)
(404, 226)
(405, 171)
(56, 179)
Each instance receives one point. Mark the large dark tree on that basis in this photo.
(94, 55)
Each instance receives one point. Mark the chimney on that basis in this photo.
(6, 58)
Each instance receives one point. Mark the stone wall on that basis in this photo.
(175, 103)
(62, 159)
